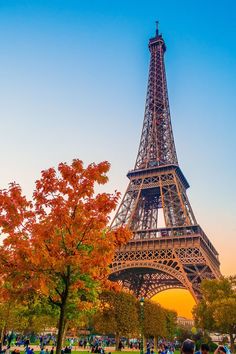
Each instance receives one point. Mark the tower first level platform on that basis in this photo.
(182, 259)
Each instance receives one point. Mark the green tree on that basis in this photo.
(118, 315)
(171, 323)
(217, 309)
(183, 333)
(154, 320)
(39, 313)
(30, 314)
(11, 318)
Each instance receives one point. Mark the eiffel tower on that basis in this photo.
(178, 255)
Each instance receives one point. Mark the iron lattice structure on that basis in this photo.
(178, 255)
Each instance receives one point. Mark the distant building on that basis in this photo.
(219, 338)
(185, 322)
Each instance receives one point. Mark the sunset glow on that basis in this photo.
(178, 300)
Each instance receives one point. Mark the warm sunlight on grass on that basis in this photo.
(176, 299)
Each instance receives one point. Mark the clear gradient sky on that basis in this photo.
(73, 76)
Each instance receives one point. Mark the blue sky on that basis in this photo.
(73, 84)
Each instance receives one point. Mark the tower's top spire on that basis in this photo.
(157, 31)
(157, 147)
(157, 39)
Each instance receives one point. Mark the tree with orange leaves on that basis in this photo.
(59, 244)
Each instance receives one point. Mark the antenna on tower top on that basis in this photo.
(157, 31)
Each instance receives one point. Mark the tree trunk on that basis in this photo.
(117, 338)
(62, 319)
(2, 333)
(61, 326)
(66, 323)
(5, 324)
(144, 344)
(232, 339)
(155, 343)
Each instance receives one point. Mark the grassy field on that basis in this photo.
(107, 351)
(88, 351)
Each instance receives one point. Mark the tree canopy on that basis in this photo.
(217, 309)
(59, 244)
(154, 320)
(117, 315)
(120, 314)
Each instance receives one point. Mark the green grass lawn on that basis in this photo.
(113, 352)
(107, 351)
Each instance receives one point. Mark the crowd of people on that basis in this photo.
(188, 347)
(98, 345)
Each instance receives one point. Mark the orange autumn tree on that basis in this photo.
(59, 244)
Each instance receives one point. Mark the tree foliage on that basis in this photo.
(58, 244)
(117, 315)
(171, 323)
(217, 309)
(33, 314)
(120, 314)
(154, 320)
